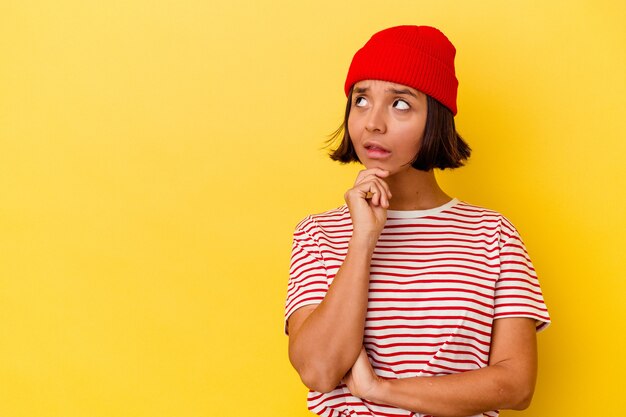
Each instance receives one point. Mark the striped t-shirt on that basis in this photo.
(438, 279)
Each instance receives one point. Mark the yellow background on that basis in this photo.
(156, 155)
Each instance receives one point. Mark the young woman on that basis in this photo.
(406, 301)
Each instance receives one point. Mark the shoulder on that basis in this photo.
(471, 210)
(484, 215)
(314, 224)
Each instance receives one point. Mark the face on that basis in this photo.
(386, 124)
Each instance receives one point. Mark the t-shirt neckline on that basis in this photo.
(411, 214)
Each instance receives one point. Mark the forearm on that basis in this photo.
(326, 344)
(464, 394)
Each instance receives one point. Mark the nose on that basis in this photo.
(376, 120)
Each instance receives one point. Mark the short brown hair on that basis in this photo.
(442, 147)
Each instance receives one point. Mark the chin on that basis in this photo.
(369, 164)
(393, 169)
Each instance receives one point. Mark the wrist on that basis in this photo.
(377, 393)
(364, 241)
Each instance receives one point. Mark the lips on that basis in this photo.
(376, 151)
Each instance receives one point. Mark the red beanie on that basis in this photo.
(416, 56)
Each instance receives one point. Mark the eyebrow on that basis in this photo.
(405, 91)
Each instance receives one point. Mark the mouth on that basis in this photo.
(376, 151)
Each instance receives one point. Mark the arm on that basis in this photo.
(507, 383)
(325, 340)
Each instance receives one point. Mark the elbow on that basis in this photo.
(515, 387)
(317, 374)
(517, 397)
(523, 399)
(319, 380)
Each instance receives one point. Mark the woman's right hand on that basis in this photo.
(322, 348)
(368, 201)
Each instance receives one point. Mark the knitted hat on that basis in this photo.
(416, 56)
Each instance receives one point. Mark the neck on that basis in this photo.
(415, 190)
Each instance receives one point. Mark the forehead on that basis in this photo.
(385, 86)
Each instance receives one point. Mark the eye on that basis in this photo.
(401, 105)
(360, 101)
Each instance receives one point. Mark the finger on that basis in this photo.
(384, 202)
(381, 194)
(364, 192)
(376, 191)
(378, 172)
(371, 194)
(374, 172)
(385, 194)
(373, 191)
(383, 184)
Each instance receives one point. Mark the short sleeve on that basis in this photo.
(308, 283)
(518, 293)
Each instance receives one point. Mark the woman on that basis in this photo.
(406, 301)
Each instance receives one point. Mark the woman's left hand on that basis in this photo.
(361, 379)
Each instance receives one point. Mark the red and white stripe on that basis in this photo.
(438, 279)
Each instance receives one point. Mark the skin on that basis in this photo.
(386, 124)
